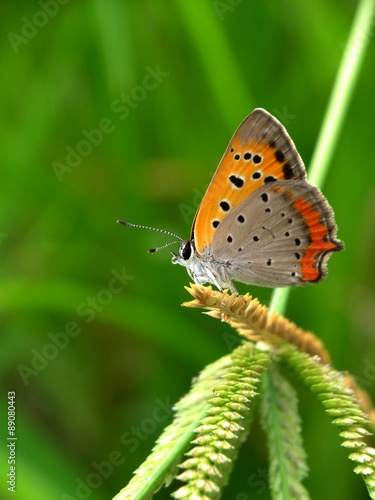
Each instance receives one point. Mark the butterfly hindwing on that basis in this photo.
(280, 235)
(260, 152)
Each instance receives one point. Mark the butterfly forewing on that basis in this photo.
(259, 153)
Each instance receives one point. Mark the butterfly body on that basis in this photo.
(260, 222)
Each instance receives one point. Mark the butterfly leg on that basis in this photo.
(233, 289)
(226, 283)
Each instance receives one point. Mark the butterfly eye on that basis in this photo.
(186, 250)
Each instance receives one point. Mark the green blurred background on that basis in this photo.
(167, 83)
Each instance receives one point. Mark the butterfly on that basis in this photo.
(260, 221)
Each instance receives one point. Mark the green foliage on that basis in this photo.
(224, 429)
(281, 422)
(220, 422)
(220, 408)
(342, 406)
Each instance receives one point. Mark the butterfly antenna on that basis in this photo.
(153, 250)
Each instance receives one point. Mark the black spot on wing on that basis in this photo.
(269, 178)
(224, 205)
(238, 182)
(279, 155)
(288, 171)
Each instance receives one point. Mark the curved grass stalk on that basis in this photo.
(342, 92)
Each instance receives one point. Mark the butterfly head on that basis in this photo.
(187, 250)
(196, 266)
(186, 254)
